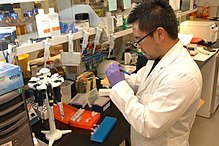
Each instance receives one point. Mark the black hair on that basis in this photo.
(151, 14)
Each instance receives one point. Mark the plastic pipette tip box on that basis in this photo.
(103, 130)
(87, 120)
(68, 113)
(83, 123)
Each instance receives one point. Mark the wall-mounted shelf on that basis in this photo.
(123, 33)
(180, 14)
(18, 1)
(28, 48)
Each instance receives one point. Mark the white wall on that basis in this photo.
(211, 2)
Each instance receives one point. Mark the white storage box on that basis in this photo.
(204, 29)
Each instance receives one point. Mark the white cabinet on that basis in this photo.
(209, 74)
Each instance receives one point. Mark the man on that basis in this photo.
(160, 100)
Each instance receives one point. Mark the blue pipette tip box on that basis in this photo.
(103, 130)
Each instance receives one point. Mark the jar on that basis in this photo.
(82, 21)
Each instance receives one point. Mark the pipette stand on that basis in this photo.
(53, 134)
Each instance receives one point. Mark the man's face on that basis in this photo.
(148, 44)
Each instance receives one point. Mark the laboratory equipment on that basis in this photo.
(20, 27)
(14, 123)
(50, 85)
(82, 21)
(42, 22)
(79, 118)
(202, 29)
(70, 58)
(101, 69)
(54, 22)
(102, 131)
(2, 21)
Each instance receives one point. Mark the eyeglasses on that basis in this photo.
(137, 43)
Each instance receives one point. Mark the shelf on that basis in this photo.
(18, 1)
(27, 48)
(180, 14)
(123, 33)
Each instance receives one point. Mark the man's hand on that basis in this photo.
(114, 74)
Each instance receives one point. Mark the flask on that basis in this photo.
(20, 27)
(54, 22)
(42, 23)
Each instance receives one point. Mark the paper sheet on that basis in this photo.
(203, 57)
(127, 4)
(112, 5)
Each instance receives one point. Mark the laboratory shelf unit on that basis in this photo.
(18, 1)
(27, 48)
(180, 14)
(123, 33)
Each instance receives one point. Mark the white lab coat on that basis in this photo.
(161, 108)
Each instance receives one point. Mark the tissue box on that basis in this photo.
(10, 77)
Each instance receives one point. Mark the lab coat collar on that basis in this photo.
(168, 58)
(171, 55)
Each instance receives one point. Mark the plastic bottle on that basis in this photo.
(29, 21)
(2, 21)
(20, 27)
(54, 22)
(7, 17)
(42, 23)
(110, 21)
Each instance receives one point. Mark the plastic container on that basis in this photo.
(30, 22)
(2, 21)
(86, 120)
(23, 62)
(54, 22)
(66, 91)
(7, 17)
(20, 27)
(82, 21)
(110, 21)
(42, 22)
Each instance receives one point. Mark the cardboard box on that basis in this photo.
(10, 77)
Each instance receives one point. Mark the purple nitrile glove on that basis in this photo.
(114, 74)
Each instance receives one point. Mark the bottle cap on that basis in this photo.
(51, 10)
(14, 15)
(35, 11)
(29, 13)
(108, 13)
(41, 11)
(2, 17)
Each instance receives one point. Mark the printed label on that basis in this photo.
(7, 144)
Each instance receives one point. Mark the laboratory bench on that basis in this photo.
(81, 137)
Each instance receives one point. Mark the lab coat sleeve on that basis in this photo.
(165, 106)
(134, 79)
